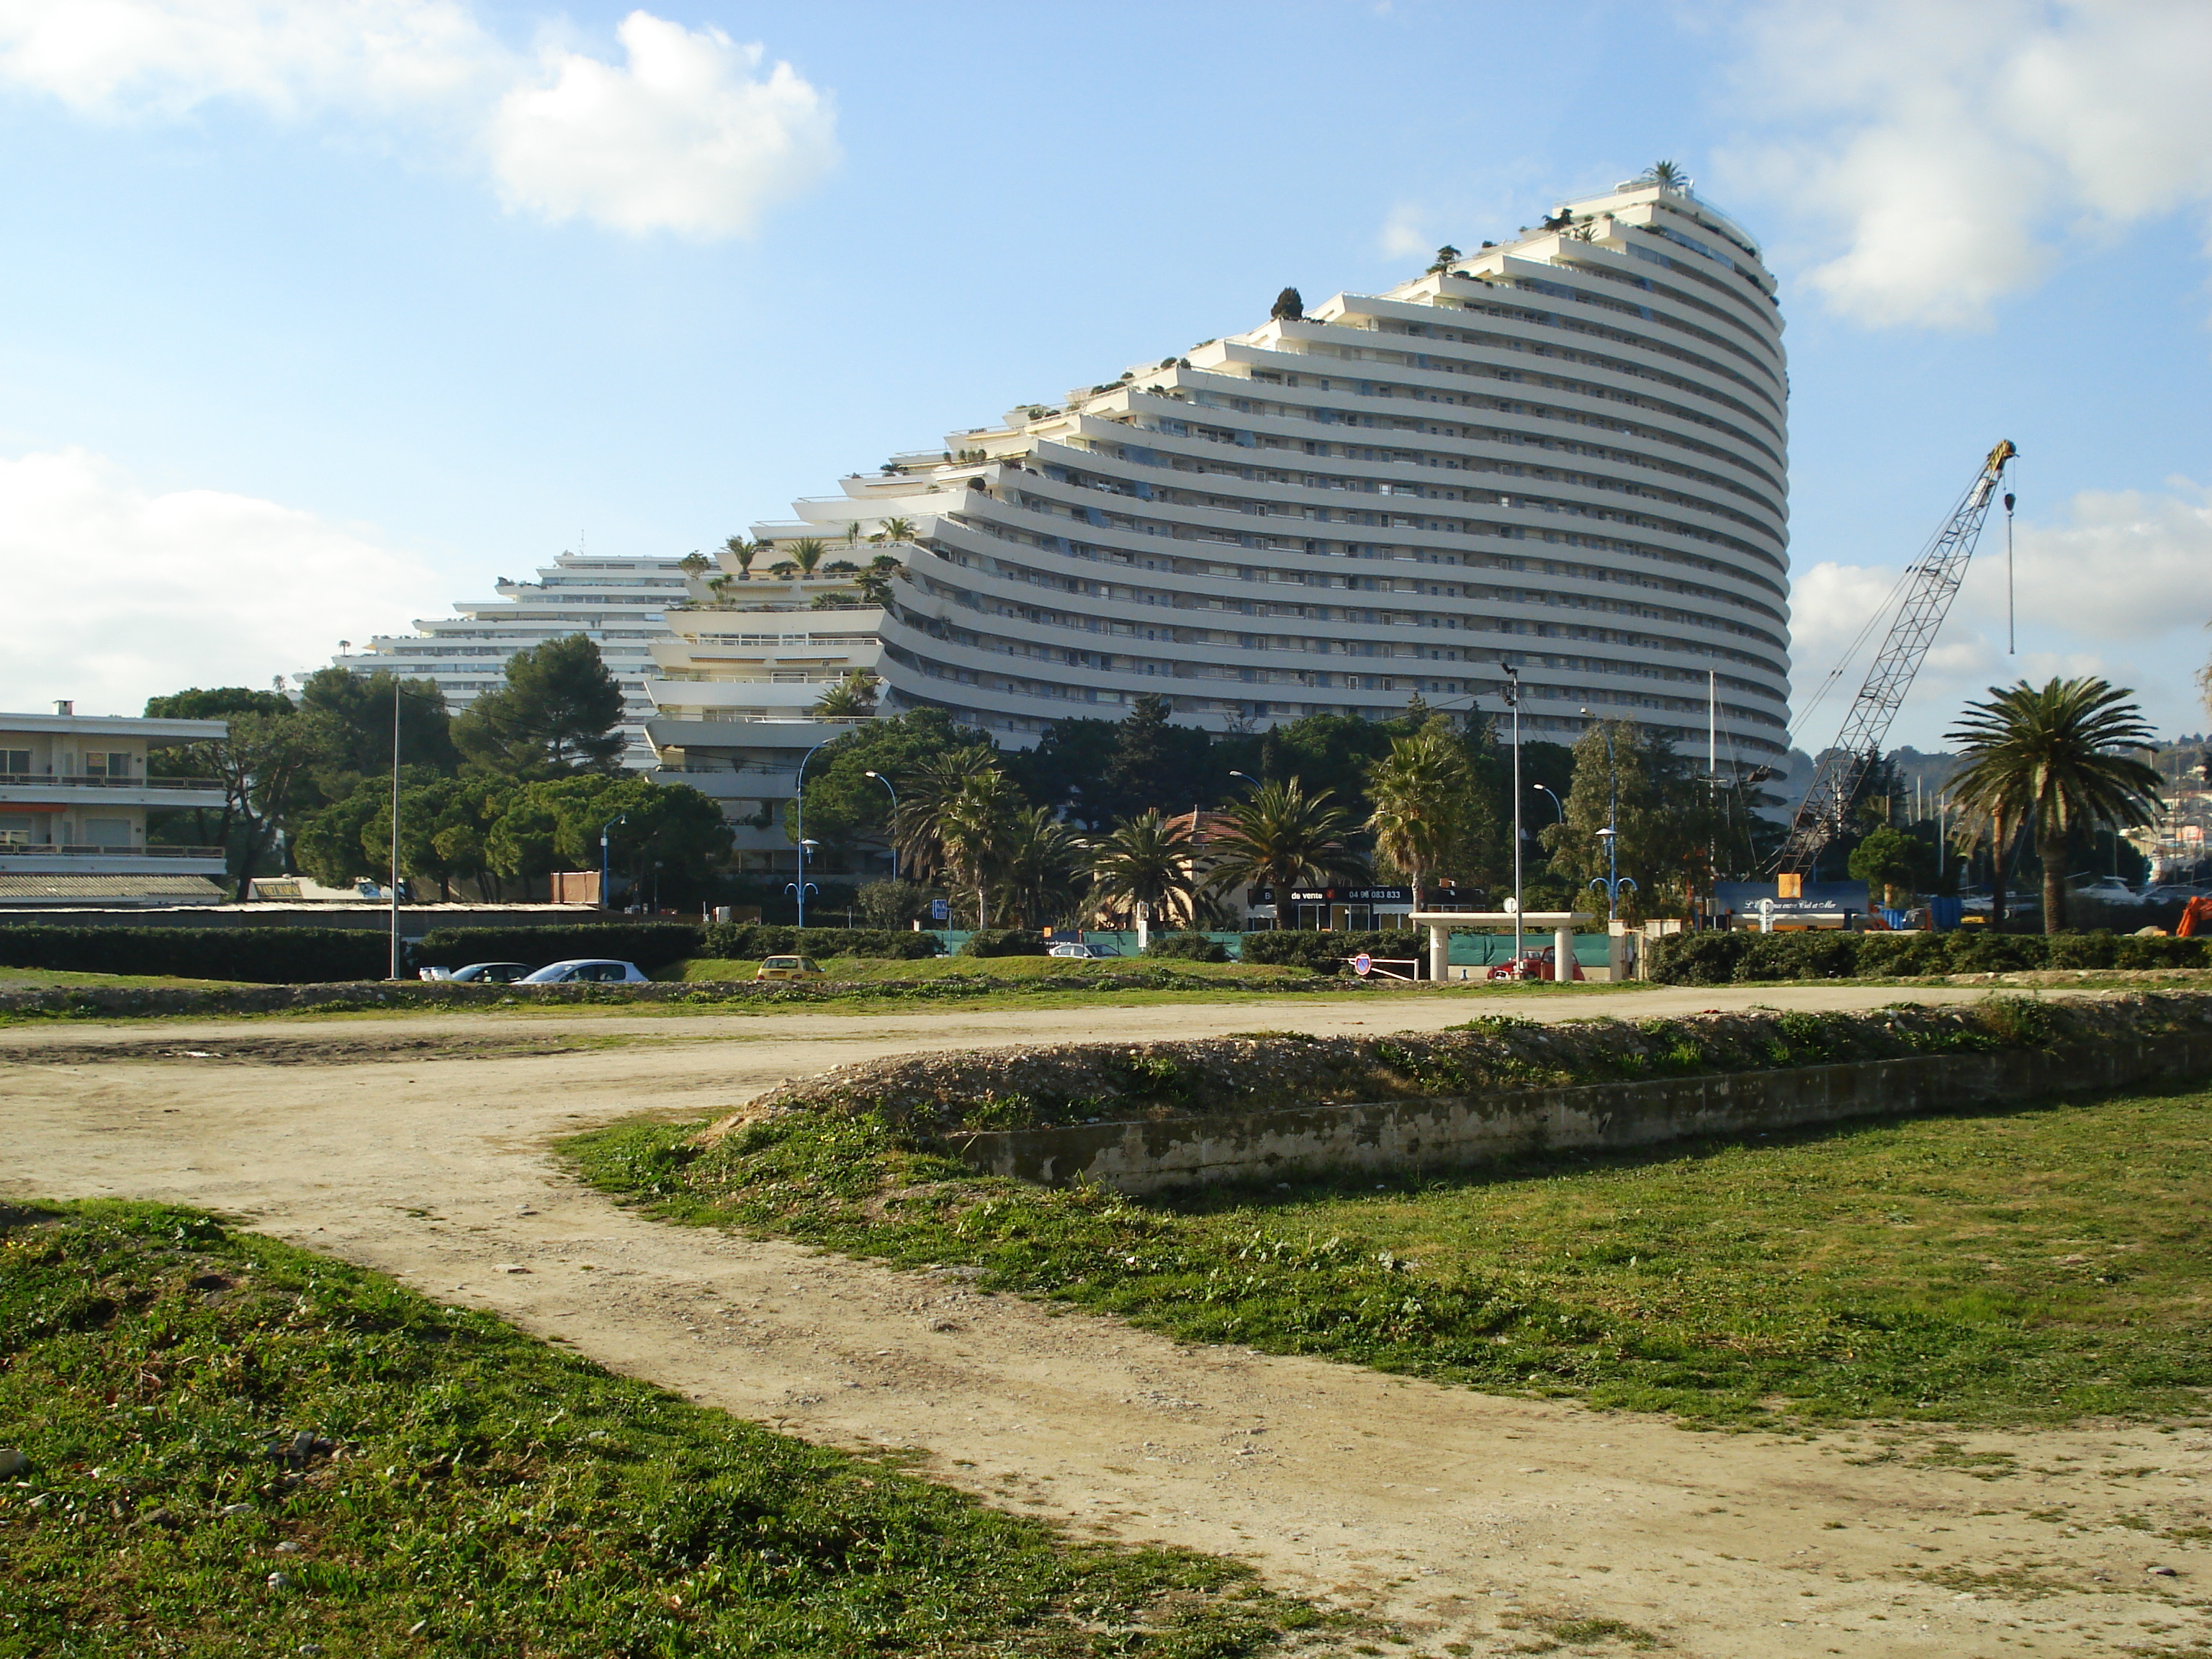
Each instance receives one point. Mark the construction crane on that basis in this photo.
(1929, 587)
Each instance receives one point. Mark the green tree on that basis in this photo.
(806, 553)
(1891, 861)
(1145, 864)
(557, 712)
(1280, 835)
(1067, 767)
(1428, 817)
(742, 553)
(974, 823)
(845, 807)
(2052, 752)
(1155, 763)
(267, 764)
(198, 826)
(892, 903)
(894, 531)
(925, 794)
(1035, 863)
(359, 708)
(853, 698)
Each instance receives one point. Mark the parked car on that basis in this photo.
(1080, 952)
(2172, 894)
(787, 967)
(1534, 964)
(585, 971)
(480, 973)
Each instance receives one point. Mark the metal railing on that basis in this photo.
(97, 781)
(35, 849)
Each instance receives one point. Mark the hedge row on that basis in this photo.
(1186, 947)
(748, 941)
(1740, 959)
(1003, 942)
(259, 956)
(1325, 952)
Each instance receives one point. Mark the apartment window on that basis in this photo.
(115, 764)
(15, 763)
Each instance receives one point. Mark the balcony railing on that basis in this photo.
(93, 780)
(36, 849)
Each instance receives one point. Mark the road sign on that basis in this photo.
(940, 909)
(1363, 964)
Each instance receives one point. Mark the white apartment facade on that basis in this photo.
(75, 791)
(619, 604)
(1566, 454)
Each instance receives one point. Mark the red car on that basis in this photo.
(1533, 964)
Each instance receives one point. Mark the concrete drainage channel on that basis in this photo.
(1141, 1117)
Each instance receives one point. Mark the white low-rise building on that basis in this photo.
(75, 791)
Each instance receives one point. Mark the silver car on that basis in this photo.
(586, 970)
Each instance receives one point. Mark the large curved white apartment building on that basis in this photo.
(1566, 452)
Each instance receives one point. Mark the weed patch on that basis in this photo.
(2007, 1266)
(236, 1447)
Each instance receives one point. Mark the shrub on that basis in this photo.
(749, 941)
(1977, 950)
(261, 956)
(1003, 942)
(1705, 958)
(650, 944)
(1187, 947)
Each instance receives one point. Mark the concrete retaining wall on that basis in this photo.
(1443, 1130)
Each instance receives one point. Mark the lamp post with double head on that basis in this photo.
(1613, 881)
(799, 823)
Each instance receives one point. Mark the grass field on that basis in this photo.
(2019, 1266)
(34, 978)
(237, 1448)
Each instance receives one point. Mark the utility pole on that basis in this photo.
(395, 826)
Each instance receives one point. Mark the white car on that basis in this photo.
(484, 973)
(1080, 952)
(585, 971)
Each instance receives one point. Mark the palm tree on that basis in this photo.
(744, 553)
(2052, 752)
(894, 530)
(1283, 836)
(853, 698)
(1424, 804)
(974, 825)
(922, 794)
(807, 552)
(1667, 175)
(1036, 863)
(1145, 864)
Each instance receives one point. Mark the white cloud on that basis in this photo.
(117, 593)
(2125, 567)
(1403, 235)
(688, 135)
(685, 138)
(1943, 150)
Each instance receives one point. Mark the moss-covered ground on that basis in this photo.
(237, 1448)
(2008, 1266)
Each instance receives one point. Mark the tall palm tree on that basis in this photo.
(2052, 750)
(853, 698)
(1667, 175)
(922, 794)
(1283, 836)
(894, 530)
(1145, 861)
(807, 552)
(744, 553)
(974, 825)
(1424, 796)
(1036, 865)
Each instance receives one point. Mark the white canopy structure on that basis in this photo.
(1440, 924)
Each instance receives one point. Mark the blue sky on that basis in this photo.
(318, 317)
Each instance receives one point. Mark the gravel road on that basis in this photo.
(420, 1147)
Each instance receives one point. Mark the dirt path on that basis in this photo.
(1465, 1516)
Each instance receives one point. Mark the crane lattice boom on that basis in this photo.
(1930, 587)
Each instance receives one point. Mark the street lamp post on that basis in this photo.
(799, 815)
(607, 893)
(1558, 805)
(886, 783)
(395, 827)
(1512, 694)
(1613, 881)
